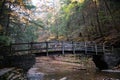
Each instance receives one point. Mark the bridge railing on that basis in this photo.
(38, 47)
(19, 47)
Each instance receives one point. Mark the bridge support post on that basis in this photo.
(47, 48)
(96, 50)
(10, 48)
(85, 48)
(31, 47)
(63, 51)
(103, 48)
(73, 47)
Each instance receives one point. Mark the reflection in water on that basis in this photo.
(83, 75)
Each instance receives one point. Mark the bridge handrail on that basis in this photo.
(58, 45)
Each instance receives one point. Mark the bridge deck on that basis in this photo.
(46, 48)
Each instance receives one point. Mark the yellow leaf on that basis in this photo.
(80, 1)
(12, 0)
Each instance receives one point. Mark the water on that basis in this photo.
(55, 69)
(83, 75)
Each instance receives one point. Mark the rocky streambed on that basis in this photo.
(69, 68)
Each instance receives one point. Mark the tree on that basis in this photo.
(93, 18)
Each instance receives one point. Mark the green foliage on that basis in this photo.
(5, 40)
(89, 18)
(19, 28)
(68, 8)
(31, 33)
(68, 21)
(27, 33)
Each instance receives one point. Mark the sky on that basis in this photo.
(35, 2)
(38, 2)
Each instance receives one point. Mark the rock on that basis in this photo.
(34, 75)
(111, 59)
(64, 78)
(77, 68)
(113, 71)
(110, 79)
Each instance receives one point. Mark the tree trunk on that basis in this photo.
(2, 7)
(113, 20)
(8, 21)
(98, 21)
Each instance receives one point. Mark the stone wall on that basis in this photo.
(113, 59)
(108, 60)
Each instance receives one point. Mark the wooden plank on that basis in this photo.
(47, 48)
(96, 49)
(19, 43)
(63, 48)
(85, 48)
(103, 48)
(22, 50)
(28, 43)
(73, 46)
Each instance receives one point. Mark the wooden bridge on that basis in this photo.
(57, 47)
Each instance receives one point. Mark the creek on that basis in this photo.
(68, 68)
(83, 75)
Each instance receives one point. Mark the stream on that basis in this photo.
(83, 75)
(62, 68)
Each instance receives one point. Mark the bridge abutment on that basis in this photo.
(108, 60)
(100, 62)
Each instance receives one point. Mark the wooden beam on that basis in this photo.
(85, 48)
(47, 48)
(73, 47)
(63, 48)
(96, 50)
(103, 48)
